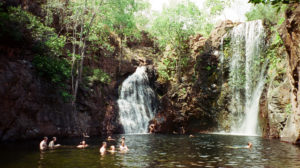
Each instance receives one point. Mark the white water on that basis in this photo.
(136, 102)
(247, 76)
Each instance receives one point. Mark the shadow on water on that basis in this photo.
(203, 150)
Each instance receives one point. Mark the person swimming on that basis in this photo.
(151, 128)
(112, 149)
(249, 146)
(82, 145)
(43, 143)
(103, 148)
(52, 143)
(123, 147)
(109, 138)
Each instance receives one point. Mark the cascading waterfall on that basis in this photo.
(247, 76)
(137, 102)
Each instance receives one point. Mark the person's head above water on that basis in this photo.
(54, 138)
(123, 141)
(83, 142)
(104, 144)
(249, 144)
(112, 147)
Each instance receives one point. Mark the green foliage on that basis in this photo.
(182, 92)
(288, 108)
(262, 11)
(274, 2)
(98, 75)
(272, 52)
(175, 24)
(57, 70)
(166, 68)
(67, 97)
(216, 6)
(227, 51)
(267, 12)
(44, 38)
(46, 44)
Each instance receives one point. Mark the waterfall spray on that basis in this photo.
(137, 102)
(247, 76)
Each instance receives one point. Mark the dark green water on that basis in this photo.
(156, 151)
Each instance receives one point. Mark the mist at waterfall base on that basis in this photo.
(247, 76)
(137, 102)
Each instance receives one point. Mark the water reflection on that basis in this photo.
(160, 151)
(42, 153)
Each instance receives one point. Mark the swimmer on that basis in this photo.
(249, 146)
(103, 148)
(43, 143)
(151, 128)
(52, 145)
(123, 147)
(191, 136)
(112, 149)
(109, 138)
(82, 145)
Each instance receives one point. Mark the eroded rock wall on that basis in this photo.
(192, 106)
(290, 34)
(32, 106)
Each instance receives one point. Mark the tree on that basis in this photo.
(172, 28)
(91, 21)
(273, 2)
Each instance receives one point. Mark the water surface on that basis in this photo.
(203, 150)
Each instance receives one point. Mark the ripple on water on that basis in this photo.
(227, 154)
(204, 156)
(196, 164)
(155, 151)
(212, 161)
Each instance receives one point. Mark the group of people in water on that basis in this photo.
(123, 148)
(52, 145)
(103, 149)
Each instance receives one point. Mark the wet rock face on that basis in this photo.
(193, 105)
(274, 107)
(30, 107)
(290, 34)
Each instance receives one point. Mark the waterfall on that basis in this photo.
(137, 102)
(247, 76)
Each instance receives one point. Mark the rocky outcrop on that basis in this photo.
(290, 34)
(29, 106)
(32, 106)
(192, 106)
(275, 101)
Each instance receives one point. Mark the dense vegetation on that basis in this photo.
(66, 33)
(66, 36)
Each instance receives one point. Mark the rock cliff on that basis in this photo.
(290, 34)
